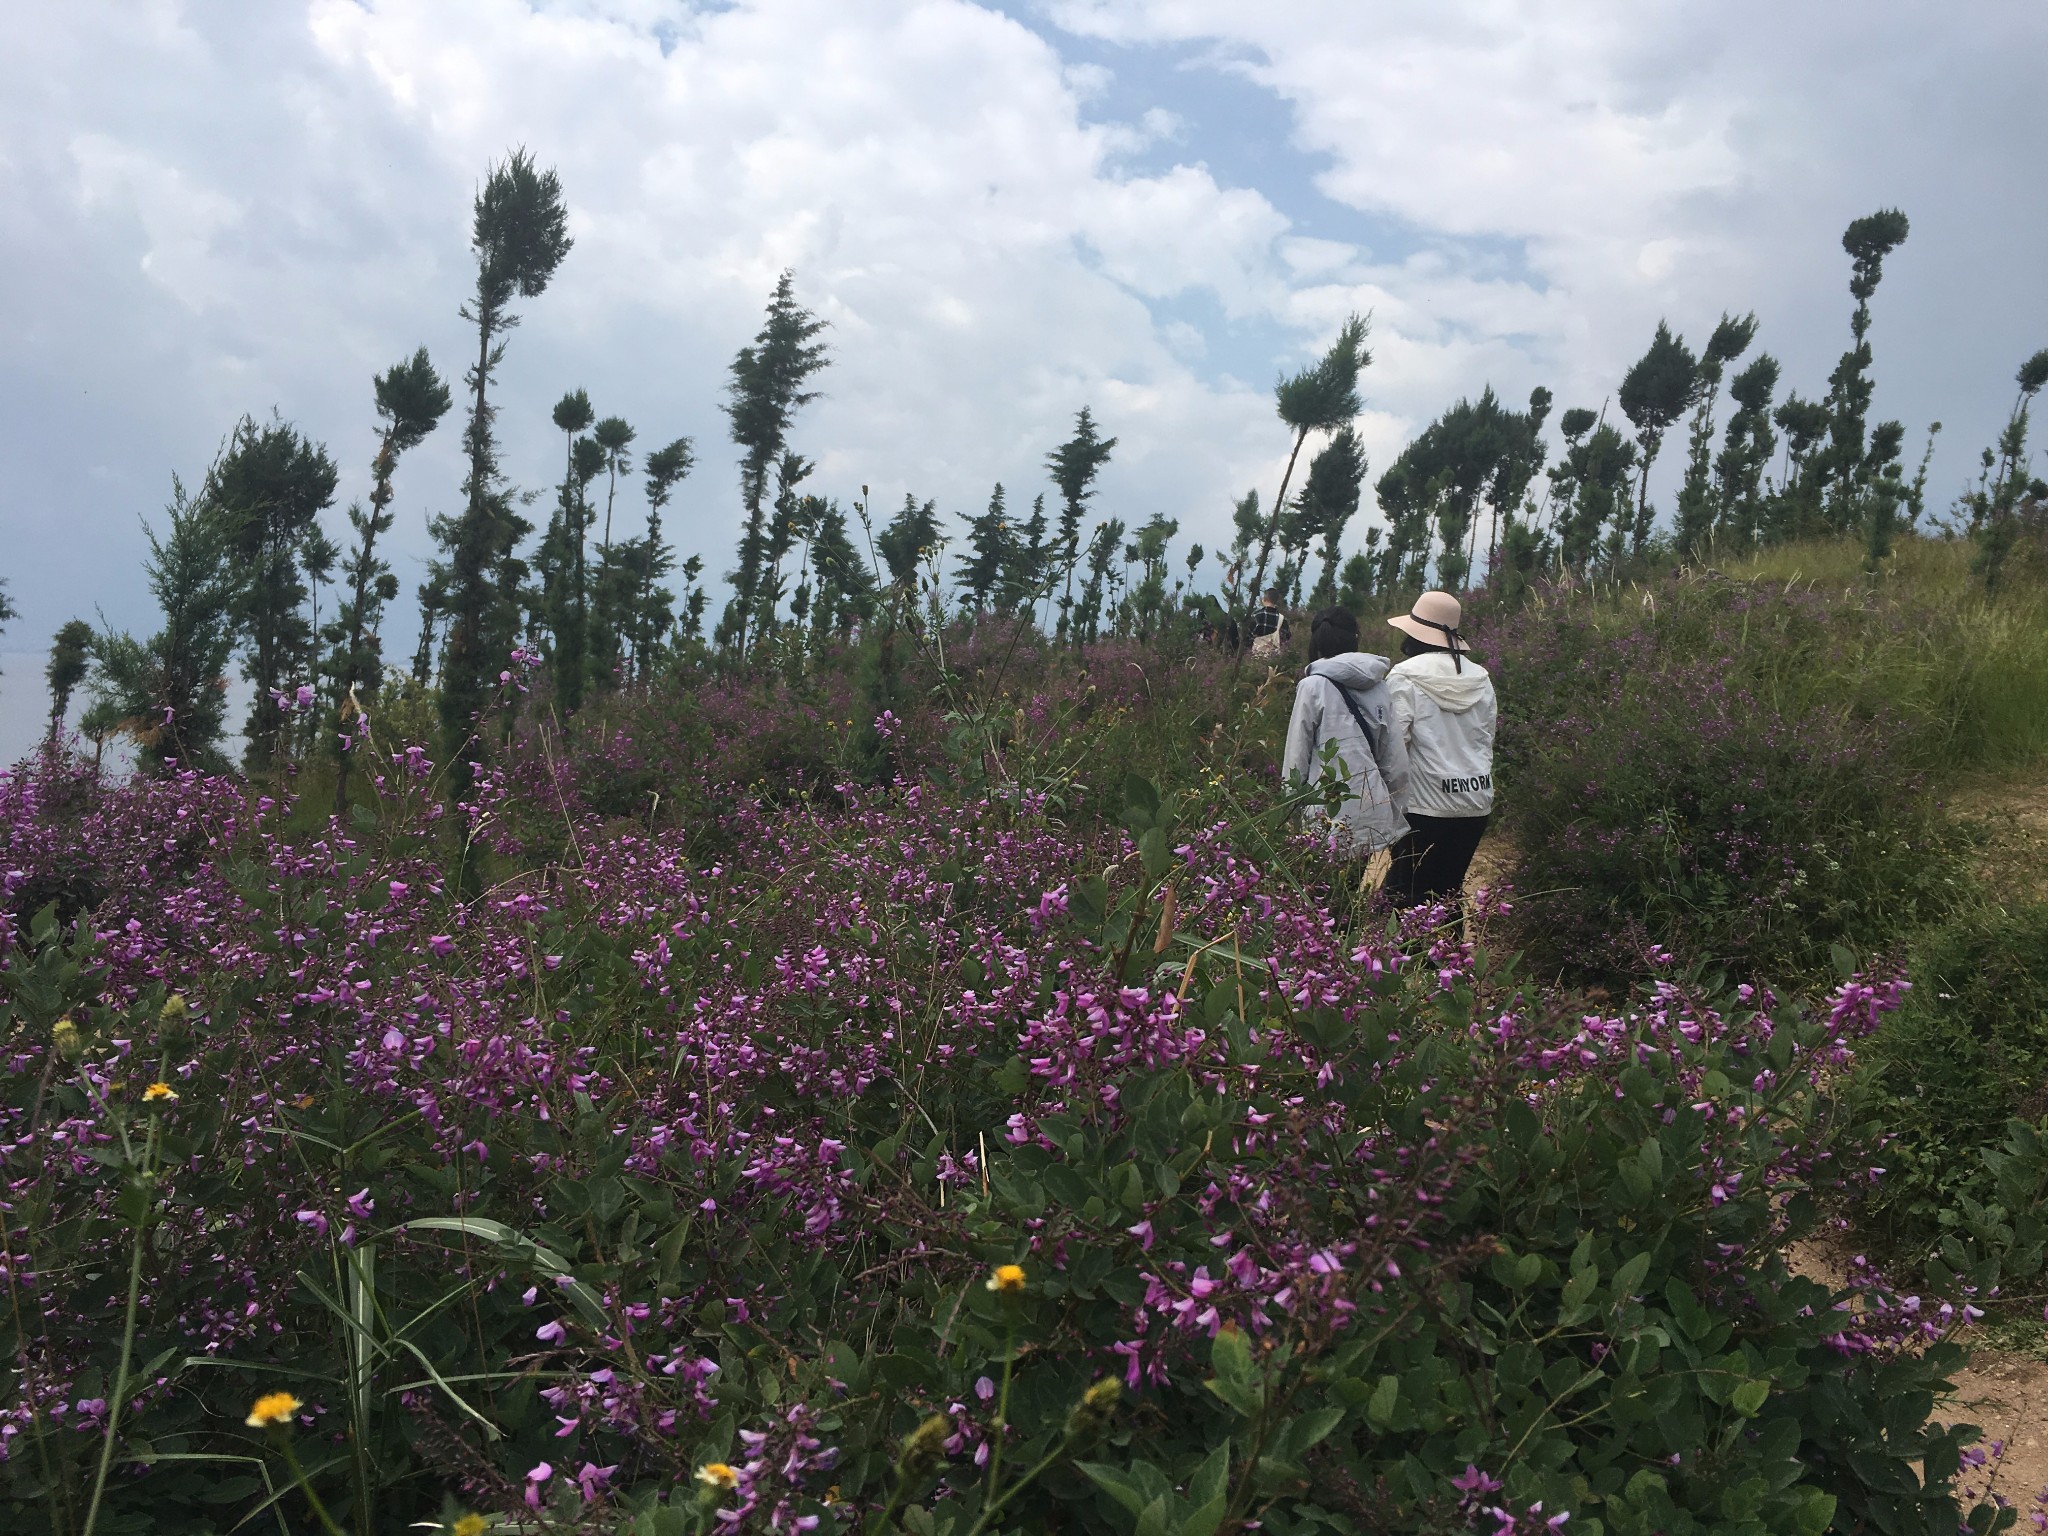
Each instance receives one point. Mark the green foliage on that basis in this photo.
(1966, 1054)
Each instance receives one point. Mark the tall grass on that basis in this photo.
(1965, 674)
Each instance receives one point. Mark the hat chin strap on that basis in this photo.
(1451, 634)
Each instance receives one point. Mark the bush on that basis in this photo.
(1665, 781)
(1967, 1053)
(666, 1195)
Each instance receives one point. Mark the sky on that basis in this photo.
(1005, 211)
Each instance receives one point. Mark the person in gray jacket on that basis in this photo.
(1343, 699)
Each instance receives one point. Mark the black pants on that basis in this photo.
(1430, 862)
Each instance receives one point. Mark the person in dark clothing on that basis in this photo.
(1269, 628)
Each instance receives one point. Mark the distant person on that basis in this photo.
(1343, 698)
(1444, 717)
(1269, 628)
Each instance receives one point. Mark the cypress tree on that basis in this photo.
(565, 583)
(1073, 467)
(1654, 393)
(269, 487)
(989, 539)
(1845, 469)
(411, 399)
(70, 659)
(765, 390)
(519, 232)
(1320, 398)
(1697, 501)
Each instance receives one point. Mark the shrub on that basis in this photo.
(644, 1193)
(1967, 1053)
(1663, 781)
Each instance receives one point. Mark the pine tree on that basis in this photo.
(1654, 393)
(989, 539)
(666, 468)
(1026, 560)
(1697, 500)
(764, 393)
(1845, 469)
(1746, 450)
(1149, 545)
(1073, 467)
(1320, 398)
(171, 690)
(519, 232)
(1796, 511)
(1519, 459)
(1102, 546)
(1328, 500)
(911, 536)
(565, 579)
(1993, 506)
(70, 660)
(611, 591)
(845, 584)
(269, 487)
(411, 399)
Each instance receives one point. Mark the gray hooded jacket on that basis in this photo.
(1374, 768)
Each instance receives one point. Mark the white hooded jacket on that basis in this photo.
(1374, 767)
(1444, 716)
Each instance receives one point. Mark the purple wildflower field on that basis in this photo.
(952, 1118)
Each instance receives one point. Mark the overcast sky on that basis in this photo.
(1005, 211)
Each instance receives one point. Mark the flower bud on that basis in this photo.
(1091, 1415)
(923, 1448)
(64, 1036)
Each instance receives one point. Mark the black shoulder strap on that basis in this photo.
(1358, 715)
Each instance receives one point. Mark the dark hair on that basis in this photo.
(1273, 595)
(1332, 632)
(1410, 646)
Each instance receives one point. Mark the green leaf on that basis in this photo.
(1629, 1278)
(1313, 1428)
(1118, 1484)
(1212, 1477)
(1580, 1287)
(1749, 1397)
(1379, 1408)
(1152, 1521)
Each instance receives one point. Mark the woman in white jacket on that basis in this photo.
(1444, 714)
(1342, 702)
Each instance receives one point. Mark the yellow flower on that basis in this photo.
(158, 1091)
(273, 1408)
(470, 1525)
(64, 1035)
(716, 1474)
(174, 1009)
(1006, 1279)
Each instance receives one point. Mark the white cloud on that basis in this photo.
(206, 210)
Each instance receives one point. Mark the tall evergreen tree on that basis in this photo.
(1697, 501)
(785, 527)
(565, 578)
(1654, 393)
(1746, 451)
(1520, 457)
(269, 487)
(1796, 509)
(1329, 499)
(432, 595)
(411, 399)
(611, 591)
(171, 690)
(988, 539)
(1149, 544)
(1591, 483)
(1993, 505)
(665, 469)
(519, 232)
(70, 660)
(1102, 546)
(765, 391)
(1073, 467)
(845, 584)
(911, 536)
(1845, 469)
(1320, 398)
(1026, 560)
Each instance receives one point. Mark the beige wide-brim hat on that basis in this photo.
(1434, 621)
